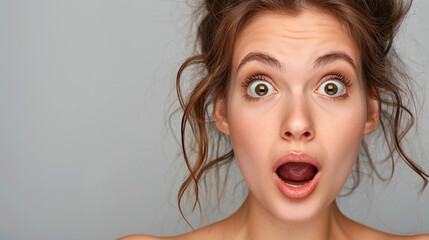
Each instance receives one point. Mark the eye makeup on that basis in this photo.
(345, 81)
(342, 79)
(251, 79)
(247, 85)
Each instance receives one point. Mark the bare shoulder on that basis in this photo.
(140, 237)
(213, 231)
(399, 237)
(376, 234)
(187, 236)
(418, 237)
(365, 232)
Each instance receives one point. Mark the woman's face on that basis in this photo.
(295, 96)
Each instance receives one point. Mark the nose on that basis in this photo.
(297, 124)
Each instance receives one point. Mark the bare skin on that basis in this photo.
(330, 130)
(240, 226)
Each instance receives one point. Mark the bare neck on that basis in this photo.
(252, 221)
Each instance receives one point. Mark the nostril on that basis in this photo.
(306, 134)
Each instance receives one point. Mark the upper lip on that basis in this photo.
(296, 156)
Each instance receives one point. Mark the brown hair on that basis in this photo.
(373, 25)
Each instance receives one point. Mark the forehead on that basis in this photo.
(292, 37)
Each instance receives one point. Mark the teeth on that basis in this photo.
(293, 185)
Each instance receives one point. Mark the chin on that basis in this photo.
(296, 211)
(300, 211)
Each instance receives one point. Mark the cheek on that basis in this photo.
(250, 123)
(248, 132)
(252, 132)
(343, 137)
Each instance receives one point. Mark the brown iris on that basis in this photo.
(331, 89)
(261, 90)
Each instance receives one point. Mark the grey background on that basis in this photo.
(85, 150)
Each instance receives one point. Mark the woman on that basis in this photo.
(294, 86)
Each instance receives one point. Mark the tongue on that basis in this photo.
(296, 172)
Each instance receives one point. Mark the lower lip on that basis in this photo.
(297, 192)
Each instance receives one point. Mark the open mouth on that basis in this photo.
(296, 174)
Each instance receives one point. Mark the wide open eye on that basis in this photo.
(260, 89)
(331, 88)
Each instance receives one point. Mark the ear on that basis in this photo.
(220, 116)
(373, 115)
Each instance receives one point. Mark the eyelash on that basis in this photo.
(246, 83)
(344, 80)
(259, 77)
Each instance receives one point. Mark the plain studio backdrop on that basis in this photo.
(85, 94)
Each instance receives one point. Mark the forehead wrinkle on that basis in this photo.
(302, 35)
(292, 34)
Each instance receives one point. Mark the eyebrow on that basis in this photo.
(334, 56)
(320, 61)
(260, 57)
